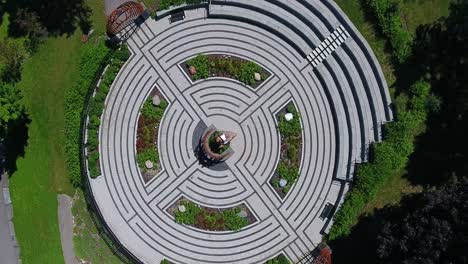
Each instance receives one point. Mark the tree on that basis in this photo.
(430, 228)
(12, 56)
(11, 108)
(27, 23)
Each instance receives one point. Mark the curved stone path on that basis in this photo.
(317, 59)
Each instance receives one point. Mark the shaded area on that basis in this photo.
(57, 16)
(441, 56)
(431, 226)
(16, 140)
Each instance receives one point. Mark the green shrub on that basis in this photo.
(232, 220)
(291, 108)
(387, 158)
(165, 261)
(290, 128)
(247, 72)
(189, 216)
(91, 59)
(201, 64)
(122, 54)
(387, 13)
(166, 4)
(148, 154)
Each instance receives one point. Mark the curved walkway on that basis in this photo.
(318, 61)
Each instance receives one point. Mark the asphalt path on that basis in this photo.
(8, 249)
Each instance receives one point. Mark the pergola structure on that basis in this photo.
(123, 16)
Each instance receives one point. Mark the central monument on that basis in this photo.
(216, 145)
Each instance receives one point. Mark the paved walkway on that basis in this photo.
(318, 61)
(66, 228)
(8, 247)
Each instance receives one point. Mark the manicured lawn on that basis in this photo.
(42, 174)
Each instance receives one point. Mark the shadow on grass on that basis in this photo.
(57, 16)
(16, 141)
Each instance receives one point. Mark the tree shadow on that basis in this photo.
(57, 16)
(16, 140)
(441, 56)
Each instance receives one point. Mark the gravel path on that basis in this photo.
(66, 228)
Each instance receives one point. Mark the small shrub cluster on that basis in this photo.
(230, 67)
(148, 124)
(387, 13)
(96, 106)
(93, 58)
(210, 219)
(291, 137)
(387, 158)
(281, 259)
(166, 4)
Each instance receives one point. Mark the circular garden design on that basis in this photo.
(231, 136)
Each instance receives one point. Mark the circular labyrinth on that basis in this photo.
(317, 60)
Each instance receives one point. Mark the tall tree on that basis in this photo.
(12, 56)
(430, 228)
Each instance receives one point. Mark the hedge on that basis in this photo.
(96, 107)
(387, 13)
(166, 4)
(92, 58)
(387, 158)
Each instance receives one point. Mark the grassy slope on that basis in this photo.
(41, 173)
(414, 13)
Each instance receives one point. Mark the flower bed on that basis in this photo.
(206, 66)
(211, 219)
(147, 135)
(96, 106)
(291, 150)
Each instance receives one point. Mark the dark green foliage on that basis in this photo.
(388, 157)
(290, 128)
(27, 23)
(11, 109)
(387, 13)
(291, 108)
(147, 132)
(201, 64)
(229, 67)
(189, 216)
(210, 219)
(12, 56)
(92, 59)
(165, 261)
(232, 220)
(165, 4)
(122, 54)
(281, 259)
(247, 72)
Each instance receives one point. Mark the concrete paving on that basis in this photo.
(8, 246)
(342, 99)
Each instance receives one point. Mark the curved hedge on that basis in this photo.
(387, 158)
(93, 59)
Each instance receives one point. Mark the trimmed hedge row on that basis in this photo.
(96, 106)
(93, 59)
(387, 13)
(166, 4)
(387, 158)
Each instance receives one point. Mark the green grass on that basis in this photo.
(88, 245)
(414, 13)
(355, 11)
(419, 12)
(42, 174)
